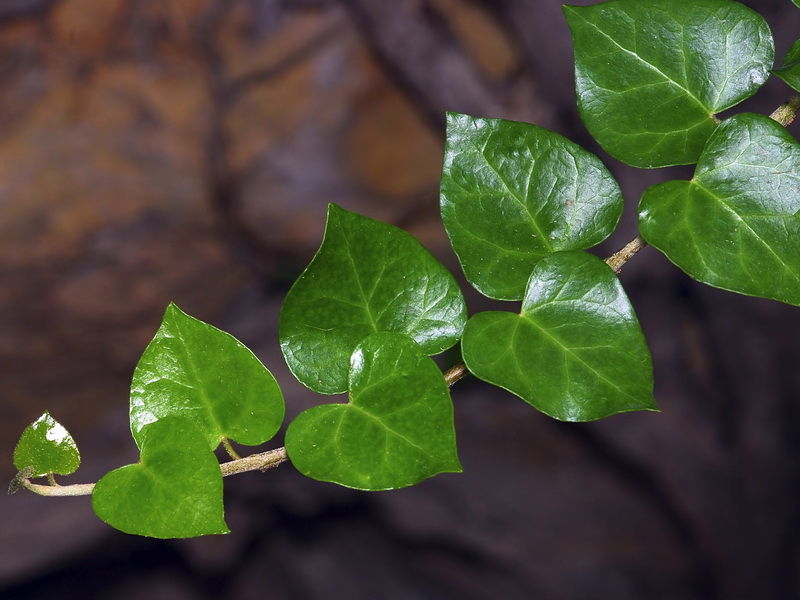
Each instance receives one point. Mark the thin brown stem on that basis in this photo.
(616, 260)
(255, 462)
(76, 489)
(785, 113)
(455, 373)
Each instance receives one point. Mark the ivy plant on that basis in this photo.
(522, 207)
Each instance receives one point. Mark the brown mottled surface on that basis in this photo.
(185, 151)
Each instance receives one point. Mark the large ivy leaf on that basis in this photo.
(789, 70)
(575, 352)
(46, 447)
(736, 224)
(511, 193)
(397, 429)
(175, 491)
(196, 371)
(651, 75)
(366, 277)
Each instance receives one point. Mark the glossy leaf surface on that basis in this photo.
(511, 193)
(196, 371)
(46, 447)
(366, 277)
(175, 491)
(651, 75)
(575, 352)
(789, 70)
(736, 224)
(396, 430)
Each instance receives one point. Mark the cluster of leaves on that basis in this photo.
(521, 205)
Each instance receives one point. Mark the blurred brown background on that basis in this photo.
(185, 150)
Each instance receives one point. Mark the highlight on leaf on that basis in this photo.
(396, 430)
(736, 224)
(366, 277)
(193, 370)
(512, 193)
(46, 447)
(575, 352)
(650, 76)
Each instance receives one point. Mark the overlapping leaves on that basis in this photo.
(175, 491)
(366, 277)
(196, 371)
(575, 352)
(651, 75)
(511, 193)
(736, 224)
(396, 430)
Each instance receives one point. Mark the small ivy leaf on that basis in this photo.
(196, 371)
(511, 193)
(174, 492)
(575, 352)
(366, 277)
(789, 70)
(736, 224)
(651, 75)
(46, 447)
(397, 429)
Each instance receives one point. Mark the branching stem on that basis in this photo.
(263, 461)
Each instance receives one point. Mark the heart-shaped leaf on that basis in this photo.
(366, 277)
(789, 70)
(575, 352)
(736, 224)
(651, 75)
(46, 447)
(196, 371)
(397, 429)
(174, 492)
(511, 193)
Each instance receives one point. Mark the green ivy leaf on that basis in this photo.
(175, 491)
(511, 193)
(397, 429)
(196, 371)
(366, 277)
(736, 224)
(789, 70)
(47, 448)
(651, 75)
(575, 352)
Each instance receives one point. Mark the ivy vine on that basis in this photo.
(521, 206)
